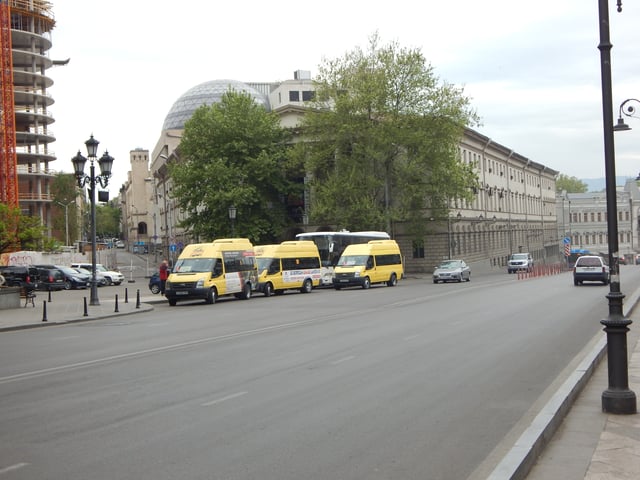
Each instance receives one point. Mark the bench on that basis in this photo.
(29, 296)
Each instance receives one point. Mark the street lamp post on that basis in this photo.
(232, 216)
(66, 219)
(618, 398)
(105, 162)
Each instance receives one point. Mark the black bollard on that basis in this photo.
(138, 298)
(86, 313)
(126, 295)
(49, 296)
(44, 311)
(116, 310)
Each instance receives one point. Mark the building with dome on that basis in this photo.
(513, 209)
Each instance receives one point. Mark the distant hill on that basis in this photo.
(598, 184)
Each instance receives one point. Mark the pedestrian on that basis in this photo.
(164, 274)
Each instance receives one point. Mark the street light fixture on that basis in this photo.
(66, 219)
(618, 398)
(232, 216)
(105, 162)
(629, 112)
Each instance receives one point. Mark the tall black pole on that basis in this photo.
(617, 398)
(92, 198)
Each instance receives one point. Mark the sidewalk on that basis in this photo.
(69, 306)
(569, 439)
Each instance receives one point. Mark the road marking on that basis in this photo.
(224, 399)
(411, 337)
(12, 468)
(59, 339)
(343, 359)
(151, 351)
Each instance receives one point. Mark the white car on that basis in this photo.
(111, 276)
(452, 271)
(590, 268)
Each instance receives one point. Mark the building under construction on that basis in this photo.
(25, 154)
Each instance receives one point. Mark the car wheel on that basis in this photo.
(212, 296)
(103, 282)
(172, 302)
(338, 288)
(307, 286)
(268, 289)
(393, 281)
(575, 282)
(117, 283)
(246, 292)
(366, 283)
(435, 281)
(107, 281)
(155, 289)
(67, 285)
(469, 277)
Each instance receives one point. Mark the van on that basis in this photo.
(209, 270)
(378, 261)
(288, 266)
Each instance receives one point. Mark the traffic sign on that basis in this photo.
(566, 240)
(172, 247)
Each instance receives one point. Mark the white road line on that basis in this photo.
(59, 339)
(411, 337)
(12, 468)
(343, 359)
(224, 399)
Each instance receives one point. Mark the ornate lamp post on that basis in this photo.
(618, 398)
(105, 162)
(232, 216)
(629, 111)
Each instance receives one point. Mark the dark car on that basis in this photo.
(50, 278)
(73, 279)
(154, 283)
(20, 276)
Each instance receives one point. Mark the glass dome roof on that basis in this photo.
(206, 93)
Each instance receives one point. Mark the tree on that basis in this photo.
(570, 184)
(381, 141)
(233, 153)
(18, 231)
(65, 191)
(108, 218)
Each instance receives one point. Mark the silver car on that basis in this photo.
(452, 271)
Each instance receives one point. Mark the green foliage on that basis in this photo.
(382, 141)
(108, 220)
(233, 153)
(65, 191)
(570, 184)
(19, 231)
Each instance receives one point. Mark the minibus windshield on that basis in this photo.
(194, 265)
(352, 260)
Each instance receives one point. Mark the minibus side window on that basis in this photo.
(217, 268)
(370, 262)
(274, 267)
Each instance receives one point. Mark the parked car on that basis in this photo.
(73, 279)
(154, 283)
(591, 268)
(20, 276)
(119, 244)
(50, 278)
(111, 276)
(100, 278)
(520, 262)
(452, 271)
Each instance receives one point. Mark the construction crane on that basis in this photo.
(8, 156)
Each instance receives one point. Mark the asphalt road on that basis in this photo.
(420, 381)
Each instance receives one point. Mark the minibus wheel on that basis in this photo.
(268, 289)
(393, 281)
(307, 286)
(246, 292)
(212, 296)
(366, 283)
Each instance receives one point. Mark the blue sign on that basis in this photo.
(172, 247)
(566, 241)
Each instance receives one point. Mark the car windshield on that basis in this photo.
(519, 256)
(451, 264)
(194, 265)
(352, 260)
(68, 270)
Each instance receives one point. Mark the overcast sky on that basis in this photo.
(531, 69)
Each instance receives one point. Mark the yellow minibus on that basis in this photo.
(293, 265)
(378, 261)
(210, 270)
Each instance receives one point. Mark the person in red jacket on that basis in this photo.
(164, 274)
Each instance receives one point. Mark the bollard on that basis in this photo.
(49, 300)
(138, 298)
(44, 311)
(86, 313)
(116, 310)
(126, 295)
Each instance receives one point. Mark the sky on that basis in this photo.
(532, 70)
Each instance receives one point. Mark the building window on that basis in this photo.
(308, 95)
(418, 249)
(294, 96)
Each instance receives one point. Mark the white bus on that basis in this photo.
(331, 245)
